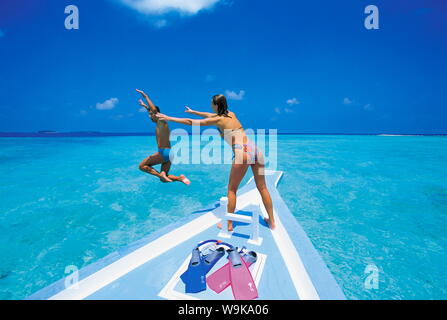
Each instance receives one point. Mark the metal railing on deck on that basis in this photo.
(253, 220)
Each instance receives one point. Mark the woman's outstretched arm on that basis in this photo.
(189, 122)
(198, 113)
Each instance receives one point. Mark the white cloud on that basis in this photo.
(108, 104)
(290, 102)
(235, 96)
(293, 102)
(356, 104)
(142, 109)
(347, 101)
(83, 112)
(158, 7)
(368, 107)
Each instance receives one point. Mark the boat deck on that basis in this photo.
(288, 265)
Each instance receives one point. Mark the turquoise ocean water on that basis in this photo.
(363, 200)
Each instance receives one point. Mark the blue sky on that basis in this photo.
(298, 66)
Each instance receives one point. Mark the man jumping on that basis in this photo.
(162, 157)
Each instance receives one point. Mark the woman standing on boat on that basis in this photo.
(245, 152)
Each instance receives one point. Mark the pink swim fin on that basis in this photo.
(242, 283)
(220, 279)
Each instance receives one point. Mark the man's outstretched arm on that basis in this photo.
(149, 101)
(141, 103)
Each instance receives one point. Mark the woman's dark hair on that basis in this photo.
(221, 102)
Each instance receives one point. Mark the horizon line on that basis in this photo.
(100, 133)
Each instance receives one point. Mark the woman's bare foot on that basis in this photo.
(271, 225)
(230, 226)
(164, 177)
(185, 180)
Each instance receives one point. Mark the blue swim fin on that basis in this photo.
(195, 276)
(211, 259)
